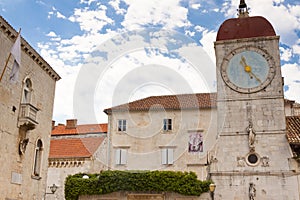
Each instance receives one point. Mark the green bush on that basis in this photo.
(185, 183)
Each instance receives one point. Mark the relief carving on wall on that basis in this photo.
(240, 161)
(265, 161)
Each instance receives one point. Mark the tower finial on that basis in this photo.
(243, 9)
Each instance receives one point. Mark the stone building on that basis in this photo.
(75, 149)
(26, 108)
(172, 132)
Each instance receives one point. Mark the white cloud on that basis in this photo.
(91, 20)
(55, 13)
(59, 15)
(296, 47)
(199, 28)
(51, 34)
(189, 33)
(116, 5)
(168, 14)
(291, 73)
(286, 53)
(196, 6)
(207, 42)
(89, 2)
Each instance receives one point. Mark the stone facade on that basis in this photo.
(144, 142)
(25, 122)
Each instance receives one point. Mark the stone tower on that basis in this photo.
(252, 154)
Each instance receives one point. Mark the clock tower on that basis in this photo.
(252, 155)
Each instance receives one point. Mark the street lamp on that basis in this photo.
(53, 188)
(212, 188)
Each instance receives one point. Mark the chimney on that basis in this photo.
(53, 124)
(71, 123)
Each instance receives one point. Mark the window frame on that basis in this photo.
(167, 124)
(38, 153)
(122, 125)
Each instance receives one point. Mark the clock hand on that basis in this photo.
(247, 68)
(255, 77)
(243, 62)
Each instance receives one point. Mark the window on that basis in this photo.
(38, 158)
(27, 91)
(122, 125)
(167, 124)
(167, 156)
(121, 156)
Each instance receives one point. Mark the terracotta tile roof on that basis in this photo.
(74, 147)
(293, 129)
(169, 102)
(61, 129)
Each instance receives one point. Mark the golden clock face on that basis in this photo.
(248, 69)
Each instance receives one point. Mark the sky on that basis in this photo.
(111, 52)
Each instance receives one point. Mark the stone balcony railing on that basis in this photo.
(28, 116)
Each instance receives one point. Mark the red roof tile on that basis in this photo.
(169, 102)
(61, 129)
(293, 129)
(75, 147)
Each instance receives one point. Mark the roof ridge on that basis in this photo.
(145, 103)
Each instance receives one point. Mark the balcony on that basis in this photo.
(28, 116)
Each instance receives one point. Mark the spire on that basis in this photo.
(243, 9)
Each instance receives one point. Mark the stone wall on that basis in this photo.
(18, 180)
(144, 196)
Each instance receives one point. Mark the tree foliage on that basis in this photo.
(185, 183)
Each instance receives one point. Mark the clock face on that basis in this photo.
(248, 69)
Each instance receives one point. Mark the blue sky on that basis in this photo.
(110, 52)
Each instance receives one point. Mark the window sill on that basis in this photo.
(167, 131)
(36, 177)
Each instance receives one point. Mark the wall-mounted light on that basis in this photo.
(212, 188)
(53, 188)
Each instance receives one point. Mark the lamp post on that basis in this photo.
(212, 188)
(53, 189)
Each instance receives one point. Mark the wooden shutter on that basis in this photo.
(170, 156)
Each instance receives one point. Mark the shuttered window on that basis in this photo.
(167, 156)
(121, 156)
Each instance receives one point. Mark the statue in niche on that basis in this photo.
(252, 191)
(22, 146)
(251, 136)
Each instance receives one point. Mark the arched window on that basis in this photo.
(38, 158)
(27, 91)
